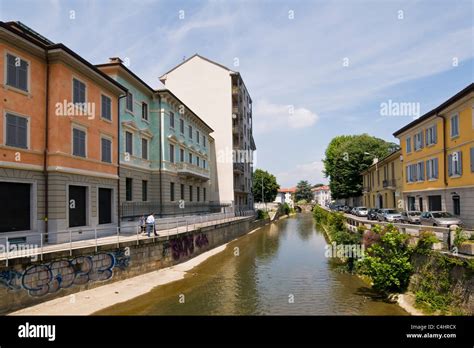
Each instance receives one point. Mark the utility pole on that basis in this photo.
(263, 197)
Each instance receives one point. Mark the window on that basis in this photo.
(129, 102)
(171, 153)
(79, 142)
(16, 131)
(411, 173)
(434, 203)
(204, 194)
(190, 193)
(198, 193)
(418, 140)
(17, 72)
(454, 125)
(144, 190)
(129, 143)
(172, 191)
(145, 111)
(197, 136)
(171, 119)
(190, 132)
(181, 126)
(106, 150)
(144, 148)
(128, 189)
(198, 161)
(182, 191)
(455, 164)
(456, 205)
(78, 92)
(106, 107)
(190, 157)
(204, 163)
(203, 141)
(432, 169)
(472, 159)
(408, 142)
(421, 171)
(431, 135)
(181, 155)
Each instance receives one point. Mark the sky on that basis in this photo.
(314, 69)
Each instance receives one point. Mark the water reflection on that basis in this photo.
(281, 269)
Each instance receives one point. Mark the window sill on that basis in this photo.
(145, 120)
(17, 90)
(106, 119)
(456, 176)
(129, 112)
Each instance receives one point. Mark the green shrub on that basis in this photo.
(285, 208)
(425, 242)
(459, 237)
(387, 262)
(262, 214)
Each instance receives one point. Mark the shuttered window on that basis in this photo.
(17, 72)
(144, 148)
(106, 106)
(129, 143)
(129, 101)
(106, 145)
(79, 142)
(16, 131)
(472, 159)
(78, 92)
(455, 164)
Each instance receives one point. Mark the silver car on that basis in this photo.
(389, 215)
(410, 217)
(439, 218)
(360, 211)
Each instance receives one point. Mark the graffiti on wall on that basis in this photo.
(183, 246)
(48, 278)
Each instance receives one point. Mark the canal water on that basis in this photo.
(281, 269)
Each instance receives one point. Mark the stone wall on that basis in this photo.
(26, 282)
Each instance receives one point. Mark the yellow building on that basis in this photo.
(383, 183)
(438, 158)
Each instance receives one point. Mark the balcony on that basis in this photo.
(239, 168)
(236, 129)
(240, 188)
(235, 90)
(391, 183)
(192, 171)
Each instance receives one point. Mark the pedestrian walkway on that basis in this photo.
(178, 228)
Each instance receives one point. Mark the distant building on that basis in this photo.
(286, 195)
(322, 195)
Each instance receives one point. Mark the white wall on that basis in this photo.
(207, 90)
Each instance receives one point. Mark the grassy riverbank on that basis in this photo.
(429, 282)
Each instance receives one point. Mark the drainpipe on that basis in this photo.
(45, 154)
(119, 218)
(445, 159)
(161, 154)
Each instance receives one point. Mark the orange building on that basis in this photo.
(58, 139)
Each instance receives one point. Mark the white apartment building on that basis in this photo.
(218, 94)
(322, 195)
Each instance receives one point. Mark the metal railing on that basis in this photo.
(73, 239)
(136, 209)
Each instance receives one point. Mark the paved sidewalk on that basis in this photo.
(114, 239)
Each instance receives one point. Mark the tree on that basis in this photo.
(303, 191)
(270, 186)
(349, 155)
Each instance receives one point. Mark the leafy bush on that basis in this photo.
(425, 242)
(459, 237)
(387, 261)
(262, 214)
(285, 208)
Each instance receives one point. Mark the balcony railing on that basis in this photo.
(192, 170)
(389, 183)
(239, 167)
(135, 209)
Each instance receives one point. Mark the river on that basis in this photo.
(280, 269)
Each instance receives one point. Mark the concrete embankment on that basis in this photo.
(67, 279)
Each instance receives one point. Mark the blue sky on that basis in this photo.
(291, 55)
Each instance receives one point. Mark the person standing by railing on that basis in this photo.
(150, 224)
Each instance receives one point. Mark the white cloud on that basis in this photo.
(312, 172)
(270, 116)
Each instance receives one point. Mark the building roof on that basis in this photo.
(453, 99)
(25, 32)
(321, 188)
(391, 156)
(287, 190)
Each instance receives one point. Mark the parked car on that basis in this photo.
(360, 211)
(389, 215)
(372, 214)
(439, 218)
(346, 209)
(410, 217)
(353, 211)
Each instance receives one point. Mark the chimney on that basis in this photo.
(115, 60)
